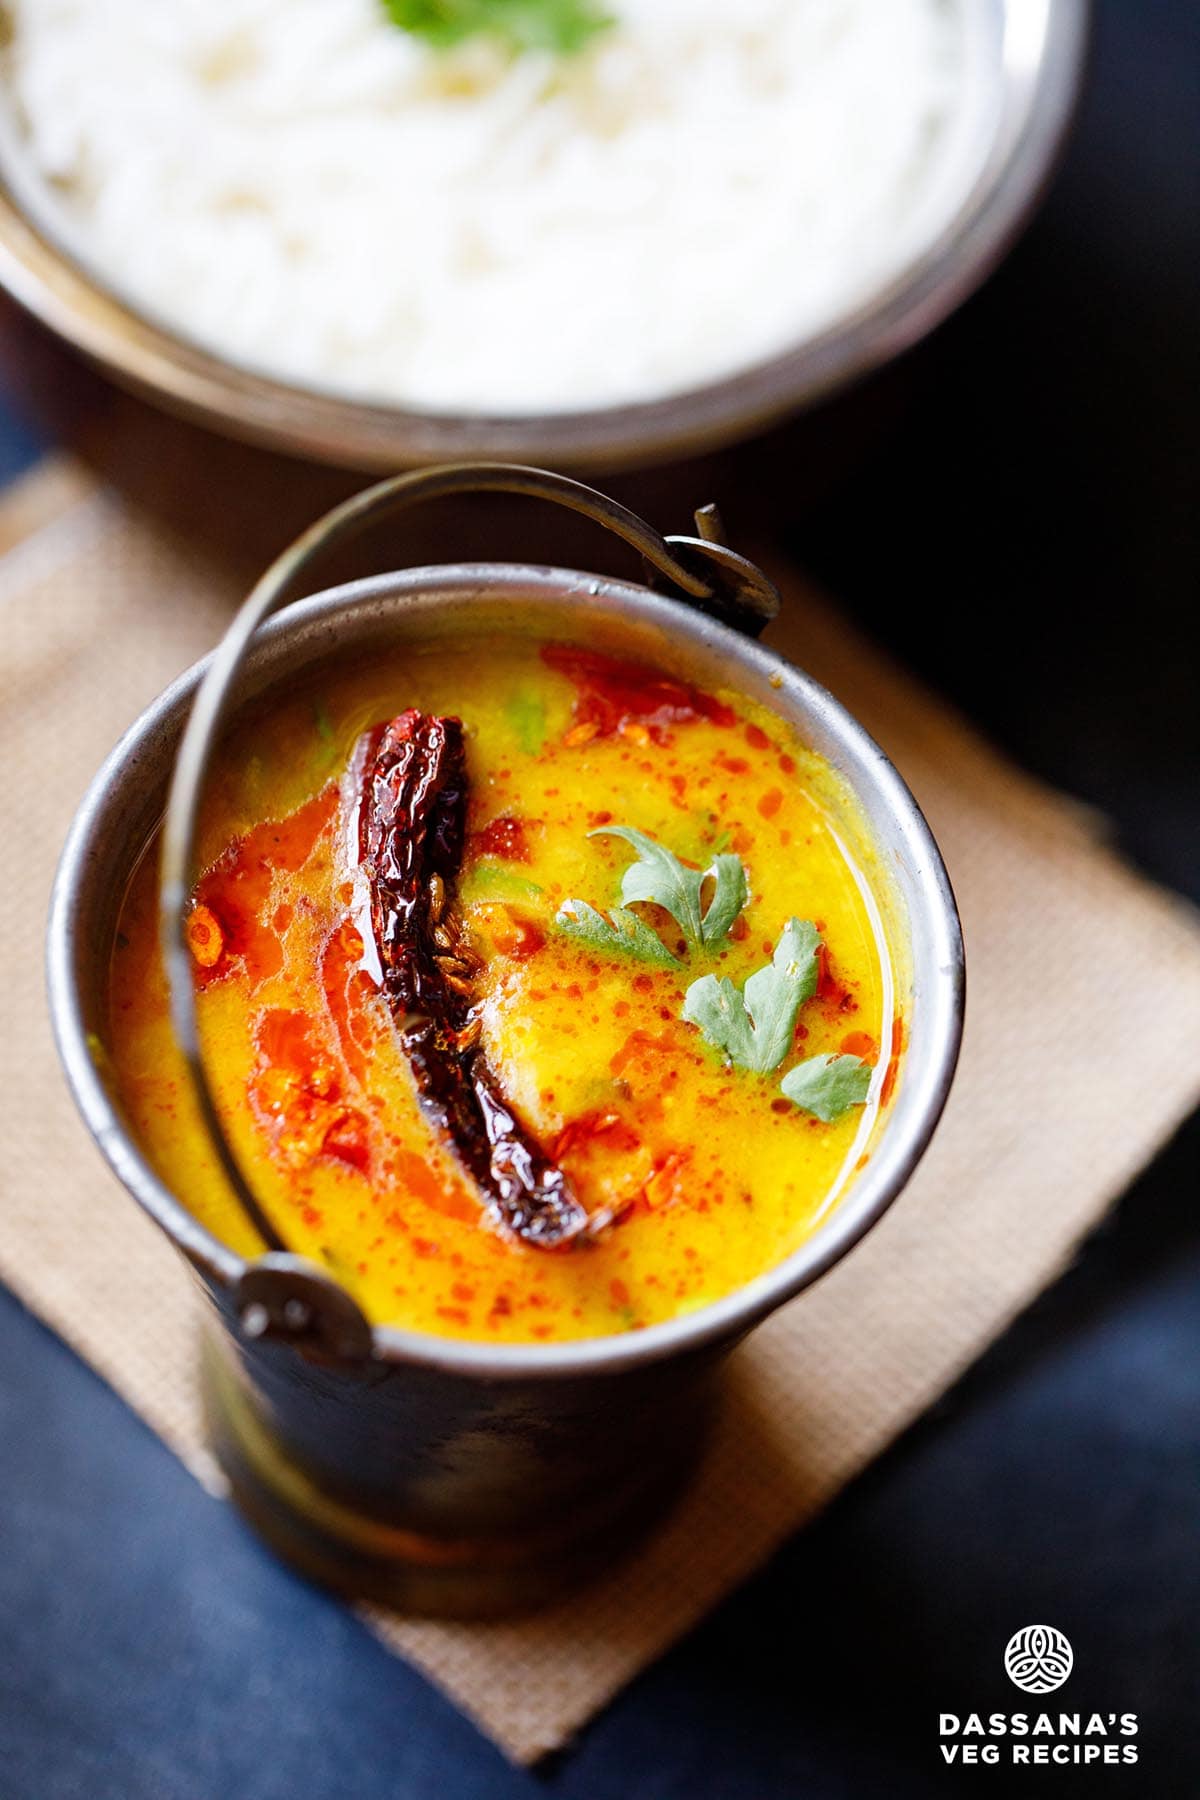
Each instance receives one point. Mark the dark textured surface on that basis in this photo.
(1026, 538)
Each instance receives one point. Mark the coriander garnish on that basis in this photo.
(659, 878)
(622, 930)
(754, 1026)
(828, 1086)
(562, 27)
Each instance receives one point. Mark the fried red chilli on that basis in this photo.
(412, 804)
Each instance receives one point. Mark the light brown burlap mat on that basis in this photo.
(1082, 1053)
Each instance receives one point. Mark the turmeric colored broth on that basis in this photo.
(714, 1176)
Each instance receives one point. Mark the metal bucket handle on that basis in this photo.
(282, 1295)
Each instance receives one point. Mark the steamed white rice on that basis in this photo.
(309, 191)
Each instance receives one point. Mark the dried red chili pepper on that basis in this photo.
(410, 834)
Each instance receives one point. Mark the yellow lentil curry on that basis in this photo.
(652, 946)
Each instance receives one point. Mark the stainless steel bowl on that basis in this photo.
(1025, 58)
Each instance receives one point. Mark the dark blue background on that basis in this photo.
(1036, 498)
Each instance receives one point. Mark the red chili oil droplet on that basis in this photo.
(771, 802)
(297, 1093)
(517, 936)
(504, 837)
(532, 937)
(590, 1127)
(893, 1068)
(639, 1044)
(349, 996)
(615, 698)
(286, 1043)
(756, 738)
(346, 1141)
(862, 1045)
(833, 992)
(237, 890)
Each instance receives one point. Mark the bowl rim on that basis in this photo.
(1038, 85)
(930, 1056)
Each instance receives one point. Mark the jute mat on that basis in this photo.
(1082, 1053)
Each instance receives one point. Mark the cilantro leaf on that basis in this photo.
(625, 932)
(828, 1086)
(658, 876)
(561, 26)
(754, 1026)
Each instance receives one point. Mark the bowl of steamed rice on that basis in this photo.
(597, 232)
